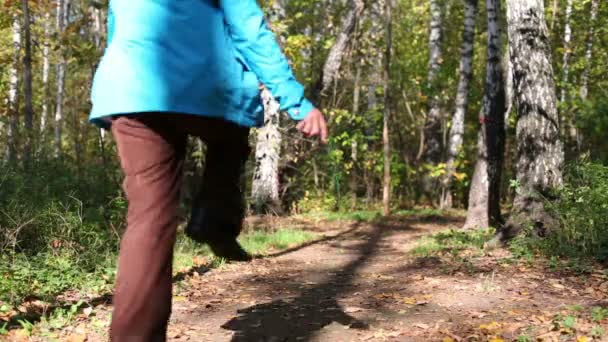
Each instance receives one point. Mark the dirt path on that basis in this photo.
(360, 282)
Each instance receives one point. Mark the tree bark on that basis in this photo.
(595, 5)
(62, 22)
(478, 212)
(432, 130)
(354, 176)
(13, 92)
(386, 194)
(27, 83)
(484, 195)
(46, 68)
(462, 101)
(567, 52)
(337, 51)
(540, 151)
(494, 111)
(265, 187)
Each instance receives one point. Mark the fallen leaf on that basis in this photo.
(352, 309)
(582, 339)
(77, 338)
(87, 311)
(490, 327)
(410, 301)
(422, 326)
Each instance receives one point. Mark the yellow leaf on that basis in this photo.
(491, 327)
(410, 301)
(77, 338)
(582, 339)
(448, 339)
(496, 339)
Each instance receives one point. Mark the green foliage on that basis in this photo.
(452, 242)
(583, 211)
(260, 241)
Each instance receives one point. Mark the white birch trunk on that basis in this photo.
(567, 53)
(46, 68)
(13, 92)
(595, 6)
(462, 100)
(27, 83)
(432, 131)
(386, 192)
(540, 150)
(62, 21)
(265, 187)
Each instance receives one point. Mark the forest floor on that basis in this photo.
(377, 280)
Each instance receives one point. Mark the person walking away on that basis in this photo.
(174, 69)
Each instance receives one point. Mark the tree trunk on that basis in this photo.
(27, 83)
(478, 212)
(432, 130)
(265, 187)
(13, 92)
(354, 176)
(540, 151)
(595, 5)
(484, 195)
(337, 51)
(62, 21)
(386, 194)
(46, 68)
(554, 11)
(493, 115)
(566, 57)
(462, 100)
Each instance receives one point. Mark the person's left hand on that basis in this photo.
(314, 125)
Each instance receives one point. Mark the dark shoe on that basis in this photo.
(219, 209)
(229, 249)
(220, 235)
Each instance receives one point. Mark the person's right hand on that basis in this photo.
(314, 125)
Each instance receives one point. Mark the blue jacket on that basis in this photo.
(202, 57)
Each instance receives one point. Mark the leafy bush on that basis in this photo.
(582, 209)
(59, 229)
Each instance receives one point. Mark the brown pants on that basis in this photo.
(152, 148)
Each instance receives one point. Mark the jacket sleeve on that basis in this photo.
(110, 24)
(258, 46)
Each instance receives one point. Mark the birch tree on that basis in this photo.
(46, 68)
(386, 193)
(27, 82)
(432, 131)
(462, 100)
(13, 91)
(484, 195)
(567, 52)
(265, 185)
(61, 24)
(595, 6)
(337, 51)
(540, 154)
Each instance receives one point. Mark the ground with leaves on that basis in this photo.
(402, 279)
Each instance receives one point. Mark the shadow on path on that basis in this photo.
(301, 318)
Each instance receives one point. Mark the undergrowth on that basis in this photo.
(582, 210)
